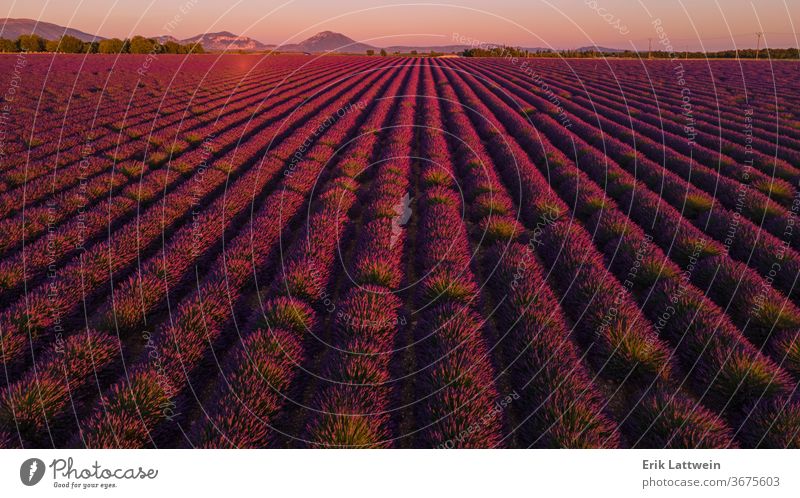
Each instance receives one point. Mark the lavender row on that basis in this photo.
(456, 390)
(560, 406)
(241, 416)
(591, 297)
(351, 408)
(774, 383)
(57, 298)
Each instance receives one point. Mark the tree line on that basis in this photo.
(501, 51)
(71, 45)
(413, 53)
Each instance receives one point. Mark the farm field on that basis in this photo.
(290, 251)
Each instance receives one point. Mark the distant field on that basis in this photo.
(290, 251)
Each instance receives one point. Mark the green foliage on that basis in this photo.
(70, 45)
(7, 45)
(172, 47)
(194, 49)
(370, 52)
(111, 46)
(496, 52)
(142, 45)
(30, 43)
(509, 52)
(66, 45)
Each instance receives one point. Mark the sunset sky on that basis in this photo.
(693, 24)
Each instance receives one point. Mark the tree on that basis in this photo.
(383, 52)
(70, 45)
(172, 47)
(111, 46)
(195, 48)
(51, 46)
(504, 51)
(413, 52)
(370, 52)
(142, 45)
(30, 43)
(7, 45)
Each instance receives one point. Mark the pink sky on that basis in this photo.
(709, 24)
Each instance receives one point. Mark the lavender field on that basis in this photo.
(401, 252)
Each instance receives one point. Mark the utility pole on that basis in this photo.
(649, 48)
(758, 42)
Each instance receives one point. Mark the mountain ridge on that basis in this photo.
(328, 41)
(12, 28)
(226, 41)
(223, 41)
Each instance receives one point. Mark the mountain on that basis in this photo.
(328, 41)
(227, 41)
(13, 28)
(325, 41)
(166, 38)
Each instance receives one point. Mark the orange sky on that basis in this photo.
(696, 24)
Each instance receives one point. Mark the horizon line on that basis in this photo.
(455, 43)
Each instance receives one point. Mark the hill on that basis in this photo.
(227, 41)
(13, 28)
(328, 41)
